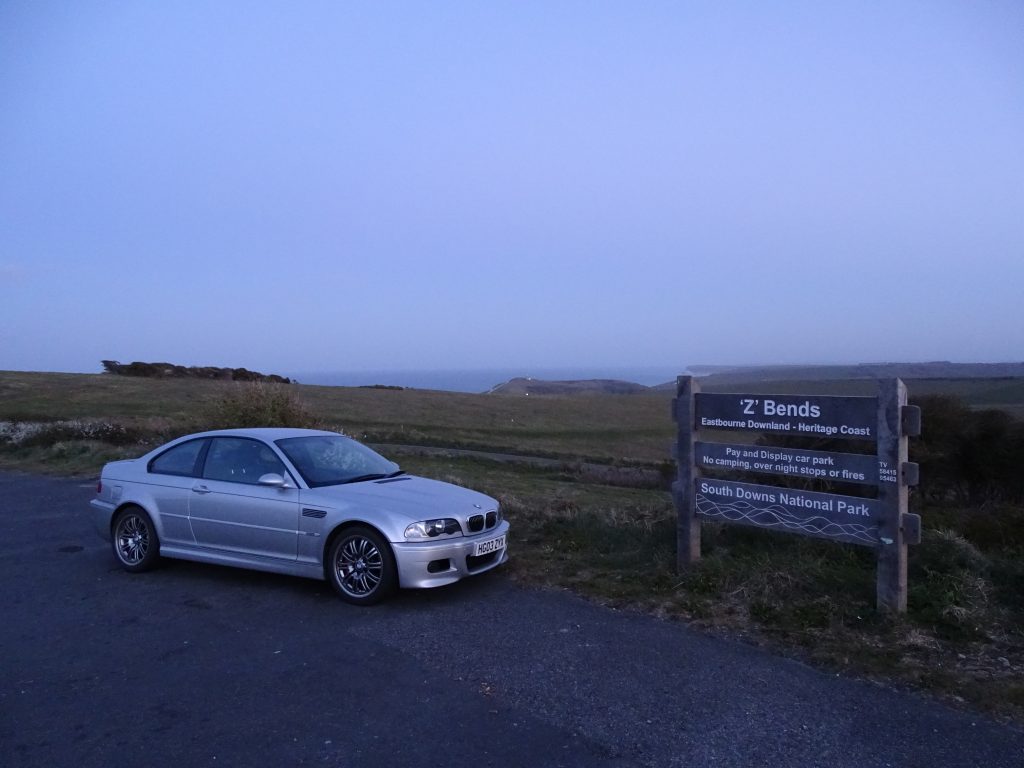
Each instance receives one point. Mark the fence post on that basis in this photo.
(687, 522)
(891, 589)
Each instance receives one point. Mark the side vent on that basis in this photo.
(317, 513)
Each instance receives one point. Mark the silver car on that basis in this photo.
(301, 502)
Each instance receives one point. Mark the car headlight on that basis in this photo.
(433, 529)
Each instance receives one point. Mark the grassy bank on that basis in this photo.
(963, 636)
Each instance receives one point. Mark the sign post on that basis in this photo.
(687, 524)
(892, 497)
(881, 522)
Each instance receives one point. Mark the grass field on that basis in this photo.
(609, 429)
(963, 636)
(616, 429)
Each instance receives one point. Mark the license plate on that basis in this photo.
(491, 545)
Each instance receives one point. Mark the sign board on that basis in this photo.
(824, 515)
(848, 418)
(878, 519)
(858, 468)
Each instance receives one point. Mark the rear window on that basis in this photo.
(179, 460)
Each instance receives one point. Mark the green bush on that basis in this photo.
(256, 404)
(973, 457)
(170, 370)
(950, 584)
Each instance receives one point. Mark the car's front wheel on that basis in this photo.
(361, 567)
(136, 545)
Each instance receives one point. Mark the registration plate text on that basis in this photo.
(491, 545)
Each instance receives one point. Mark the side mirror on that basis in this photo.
(272, 480)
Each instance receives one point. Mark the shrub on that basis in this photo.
(170, 370)
(47, 433)
(256, 404)
(971, 456)
(950, 584)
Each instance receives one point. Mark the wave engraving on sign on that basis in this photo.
(776, 516)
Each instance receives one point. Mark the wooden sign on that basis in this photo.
(792, 462)
(849, 418)
(825, 515)
(880, 521)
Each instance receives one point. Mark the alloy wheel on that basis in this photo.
(359, 565)
(132, 539)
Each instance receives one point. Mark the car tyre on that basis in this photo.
(361, 566)
(135, 542)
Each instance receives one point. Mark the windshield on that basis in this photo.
(334, 459)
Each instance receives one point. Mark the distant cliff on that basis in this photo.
(721, 378)
(527, 386)
(171, 371)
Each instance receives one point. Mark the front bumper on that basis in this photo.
(421, 564)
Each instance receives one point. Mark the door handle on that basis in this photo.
(200, 489)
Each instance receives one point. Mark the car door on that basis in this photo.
(230, 511)
(170, 478)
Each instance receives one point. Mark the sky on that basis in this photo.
(462, 185)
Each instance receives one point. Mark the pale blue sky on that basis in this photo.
(299, 186)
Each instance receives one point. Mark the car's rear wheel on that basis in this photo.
(136, 545)
(361, 567)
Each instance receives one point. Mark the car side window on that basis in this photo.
(179, 460)
(240, 460)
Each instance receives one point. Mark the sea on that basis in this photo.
(478, 380)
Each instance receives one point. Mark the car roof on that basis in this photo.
(264, 433)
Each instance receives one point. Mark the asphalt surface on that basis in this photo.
(194, 665)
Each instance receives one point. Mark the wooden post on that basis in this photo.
(688, 524)
(893, 497)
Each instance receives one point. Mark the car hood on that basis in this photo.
(408, 495)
